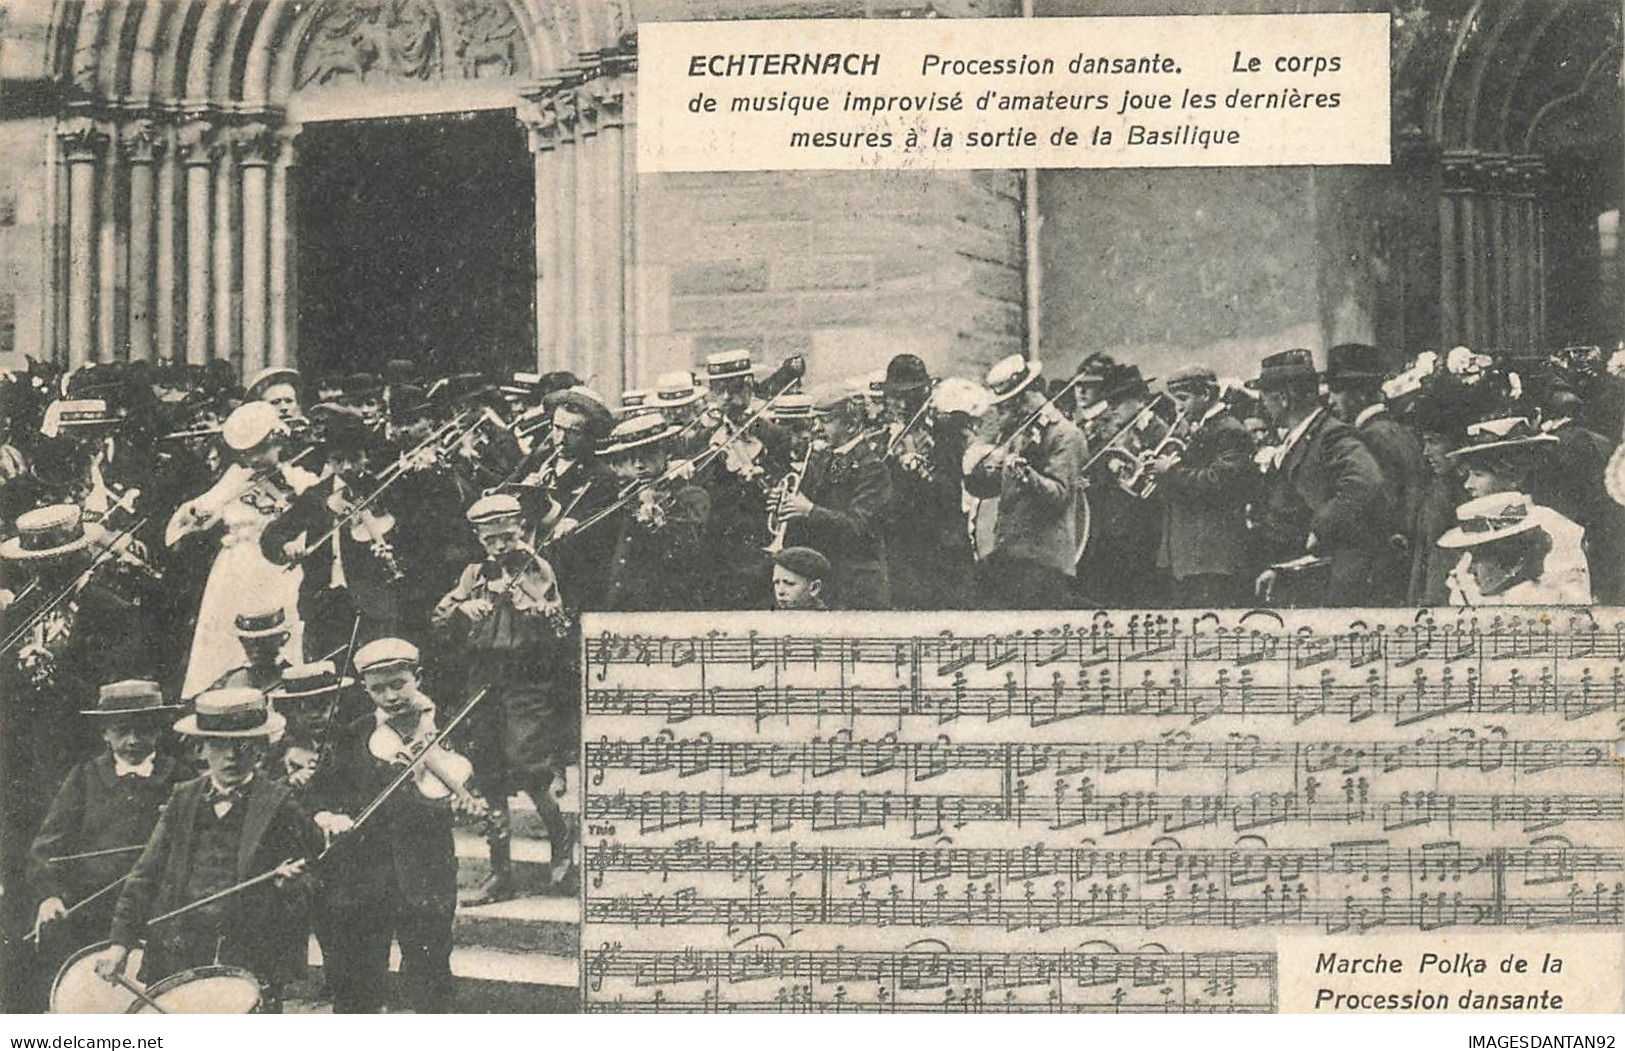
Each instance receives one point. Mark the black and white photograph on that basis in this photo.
(450, 564)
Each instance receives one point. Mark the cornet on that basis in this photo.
(1133, 468)
(786, 487)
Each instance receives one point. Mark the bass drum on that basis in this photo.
(79, 990)
(212, 990)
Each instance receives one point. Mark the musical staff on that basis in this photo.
(1177, 783)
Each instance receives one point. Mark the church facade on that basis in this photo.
(327, 182)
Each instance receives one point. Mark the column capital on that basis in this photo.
(257, 145)
(83, 140)
(196, 142)
(540, 118)
(141, 142)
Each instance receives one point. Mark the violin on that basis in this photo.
(440, 773)
(367, 527)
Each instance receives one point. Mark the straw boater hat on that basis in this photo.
(46, 532)
(386, 653)
(250, 424)
(1506, 433)
(260, 623)
(309, 682)
(127, 698)
(636, 432)
(1010, 376)
(875, 387)
(1488, 519)
(728, 365)
(267, 378)
(792, 407)
(236, 712)
(673, 390)
(634, 401)
(1200, 377)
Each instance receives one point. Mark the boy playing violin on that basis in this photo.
(396, 876)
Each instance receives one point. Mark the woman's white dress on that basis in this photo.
(241, 580)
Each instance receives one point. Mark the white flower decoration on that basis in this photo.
(1616, 363)
(1459, 360)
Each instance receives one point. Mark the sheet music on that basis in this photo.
(1114, 811)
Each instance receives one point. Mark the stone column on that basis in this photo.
(631, 305)
(165, 292)
(142, 145)
(588, 215)
(609, 100)
(225, 230)
(279, 305)
(258, 146)
(564, 235)
(541, 126)
(196, 143)
(82, 144)
(108, 243)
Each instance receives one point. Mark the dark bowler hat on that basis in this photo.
(1352, 365)
(259, 624)
(129, 697)
(236, 712)
(46, 532)
(804, 562)
(1125, 382)
(1279, 371)
(906, 372)
(309, 682)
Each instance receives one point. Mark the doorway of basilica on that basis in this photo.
(415, 239)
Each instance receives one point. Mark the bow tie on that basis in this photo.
(217, 794)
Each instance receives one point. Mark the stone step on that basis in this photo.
(530, 861)
(528, 925)
(489, 981)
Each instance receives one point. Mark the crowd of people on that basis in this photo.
(226, 607)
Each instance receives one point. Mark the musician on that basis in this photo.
(800, 577)
(681, 400)
(106, 803)
(654, 555)
(66, 632)
(1503, 455)
(216, 832)
(364, 396)
(506, 618)
(1353, 378)
(840, 506)
(1202, 494)
(1506, 558)
(311, 698)
(929, 559)
(352, 566)
(395, 878)
(1036, 473)
(278, 387)
(262, 632)
(252, 493)
(570, 475)
(1322, 495)
(738, 481)
(1120, 561)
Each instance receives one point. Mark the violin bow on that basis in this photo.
(109, 552)
(326, 744)
(406, 772)
(919, 415)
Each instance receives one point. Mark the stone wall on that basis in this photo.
(847, 268)
(24, 240)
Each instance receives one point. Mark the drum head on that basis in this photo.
(79, 990)
(213, 990)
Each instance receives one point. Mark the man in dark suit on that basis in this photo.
(1571, 483)
(1036, 471)
(840, 508)
(653, 543)
(1203, 496)
(928, 550)
(1320, 498)
(396, 877)
(217, 831)
(1354, 379)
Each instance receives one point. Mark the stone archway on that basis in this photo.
(178, 123)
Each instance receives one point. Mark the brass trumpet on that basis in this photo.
(786, 487)
(1132, 467)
